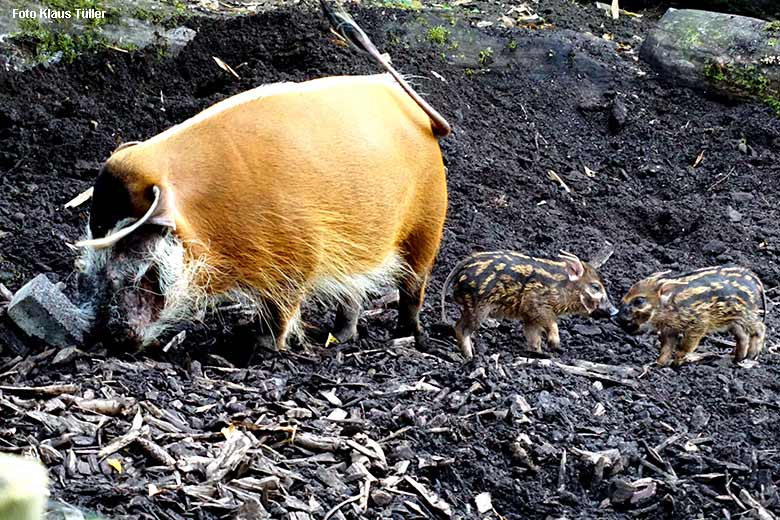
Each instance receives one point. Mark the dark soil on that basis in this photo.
(703, 432)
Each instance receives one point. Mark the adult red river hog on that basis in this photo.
(324, 189)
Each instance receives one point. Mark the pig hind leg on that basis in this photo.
(469, 322)
(757, 338)
(418, 252)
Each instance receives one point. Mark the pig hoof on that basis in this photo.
(268, 342)
(345, 334)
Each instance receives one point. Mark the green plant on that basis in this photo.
(486, 56)
(438, 35)
(512, 45)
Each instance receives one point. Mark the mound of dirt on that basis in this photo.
(674, 180)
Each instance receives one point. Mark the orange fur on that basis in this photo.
(323, 180)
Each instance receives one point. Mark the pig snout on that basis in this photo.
(605, 310)
(624, 318)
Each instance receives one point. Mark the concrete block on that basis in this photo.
(41, 310)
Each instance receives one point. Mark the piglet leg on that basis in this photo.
(688, 344)
(743, 341)
(757, 339)
(668, 343)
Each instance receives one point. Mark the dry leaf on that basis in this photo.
(116, 464)
(699, 159)
(154, 490)
(229, 431)
(224, 66)
(555, 177)
(331, 340)
(590, 173)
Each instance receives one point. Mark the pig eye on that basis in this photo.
(638, 302)
(595, 287)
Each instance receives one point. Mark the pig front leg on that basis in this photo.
(688, 344)
(668, 344)
(345, 326)
(742, 339)
(757, 339)
(279, 322)
(533, 335)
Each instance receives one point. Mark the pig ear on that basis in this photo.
(664, 290)
(125, 145)
(574, 267)
(154, 212)
(164, 214)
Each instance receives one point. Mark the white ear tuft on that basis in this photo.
(574, 267)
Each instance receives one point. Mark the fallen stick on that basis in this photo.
(42, 391)
(580, 371)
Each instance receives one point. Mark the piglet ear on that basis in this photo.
(665, 290)
(574, 267)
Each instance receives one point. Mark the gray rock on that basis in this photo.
(618, 115)
(735, 56)
(734, 215)
(42, 311)
(178, 38)
(714, 247)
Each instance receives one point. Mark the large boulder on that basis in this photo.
(734, 56)
(769, 9)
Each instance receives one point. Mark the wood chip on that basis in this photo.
(484, 502)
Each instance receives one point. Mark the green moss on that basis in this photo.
(155, 17)
(773, 26)
(512, 45)
(111, 14)
(413, 5)
(45, 42)
(486, 56)
(747, 81)
(772, 42)
(438, 35)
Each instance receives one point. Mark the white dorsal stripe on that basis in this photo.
(269, 90)
(110, 240)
